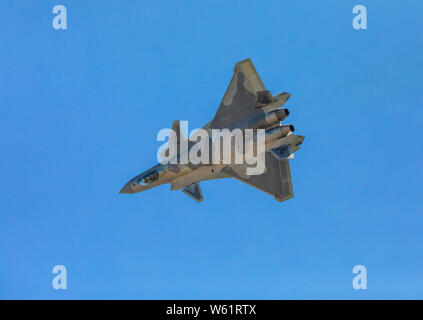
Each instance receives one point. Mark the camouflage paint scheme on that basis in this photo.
(246, 105)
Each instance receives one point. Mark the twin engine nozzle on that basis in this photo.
(271, 121)
(277, 130)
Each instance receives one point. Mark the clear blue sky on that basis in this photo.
(81, 108)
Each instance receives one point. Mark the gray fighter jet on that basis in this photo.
(246, 105)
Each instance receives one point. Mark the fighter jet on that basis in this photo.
(246, 105)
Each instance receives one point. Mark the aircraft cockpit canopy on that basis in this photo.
(148, 178)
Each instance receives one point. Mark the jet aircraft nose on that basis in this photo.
(127, 188)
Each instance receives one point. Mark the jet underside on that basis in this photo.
(246, 105)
